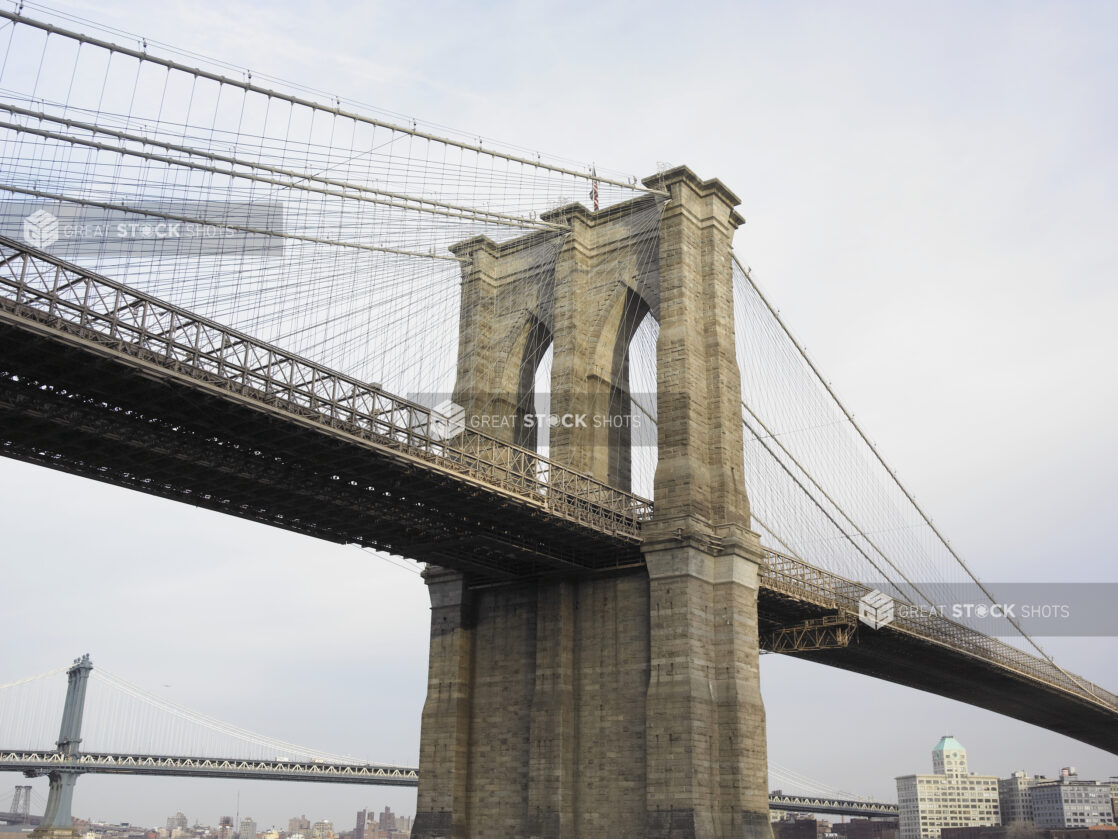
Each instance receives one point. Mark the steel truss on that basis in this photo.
(45, 299)
(36, 763)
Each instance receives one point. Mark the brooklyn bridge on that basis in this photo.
(557, 387)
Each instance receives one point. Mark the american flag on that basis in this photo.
(594, 189)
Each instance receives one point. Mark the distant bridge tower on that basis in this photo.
(21, 803)
(624, 704)
(57, 823)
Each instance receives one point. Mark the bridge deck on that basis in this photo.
(937, 655)
(38, 762)
(35, 763)
(103, 381)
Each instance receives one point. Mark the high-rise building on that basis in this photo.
(323, 829)
(387, 819)
(1068, 802)
(950, 797)
(248, 829)
(298, 824)
(1014, 797)
(359, 830)
(177, 822)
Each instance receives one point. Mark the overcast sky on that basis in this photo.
(931, 192)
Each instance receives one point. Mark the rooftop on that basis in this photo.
(948, 742)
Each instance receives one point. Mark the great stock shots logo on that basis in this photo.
(179, 230)
(876, 609)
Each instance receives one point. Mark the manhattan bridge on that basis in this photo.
(556, 385)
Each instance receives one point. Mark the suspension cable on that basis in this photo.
(386, 198)
(34, 678)
(477, 148)
(892, 474)
(832, 501)
(259, 231)
(211, 723)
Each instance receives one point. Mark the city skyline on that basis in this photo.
(870, 169)
(1006, 789)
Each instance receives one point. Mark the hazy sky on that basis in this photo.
(931, 192)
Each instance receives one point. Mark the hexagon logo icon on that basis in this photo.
(40, 229)
(876, 609)
(448, 420)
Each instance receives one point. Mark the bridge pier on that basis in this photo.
(706, 754)
(57, 823)
(534, 721)
(625, 704)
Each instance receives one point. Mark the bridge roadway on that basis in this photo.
(100, 380)
(36, 763)
(17, 818)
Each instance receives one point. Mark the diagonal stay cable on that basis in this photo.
(815, 501)
(259, 231)
(791, 551)
(397, 200)
(892, 473)
(835, 504)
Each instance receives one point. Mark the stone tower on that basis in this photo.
(624, 704)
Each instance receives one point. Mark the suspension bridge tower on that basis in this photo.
(57, 823)
(21, 803)
(628, 704)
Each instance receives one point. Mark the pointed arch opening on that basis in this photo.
(643, 450)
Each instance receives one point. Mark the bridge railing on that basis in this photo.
(38, 287)
(798, 579)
